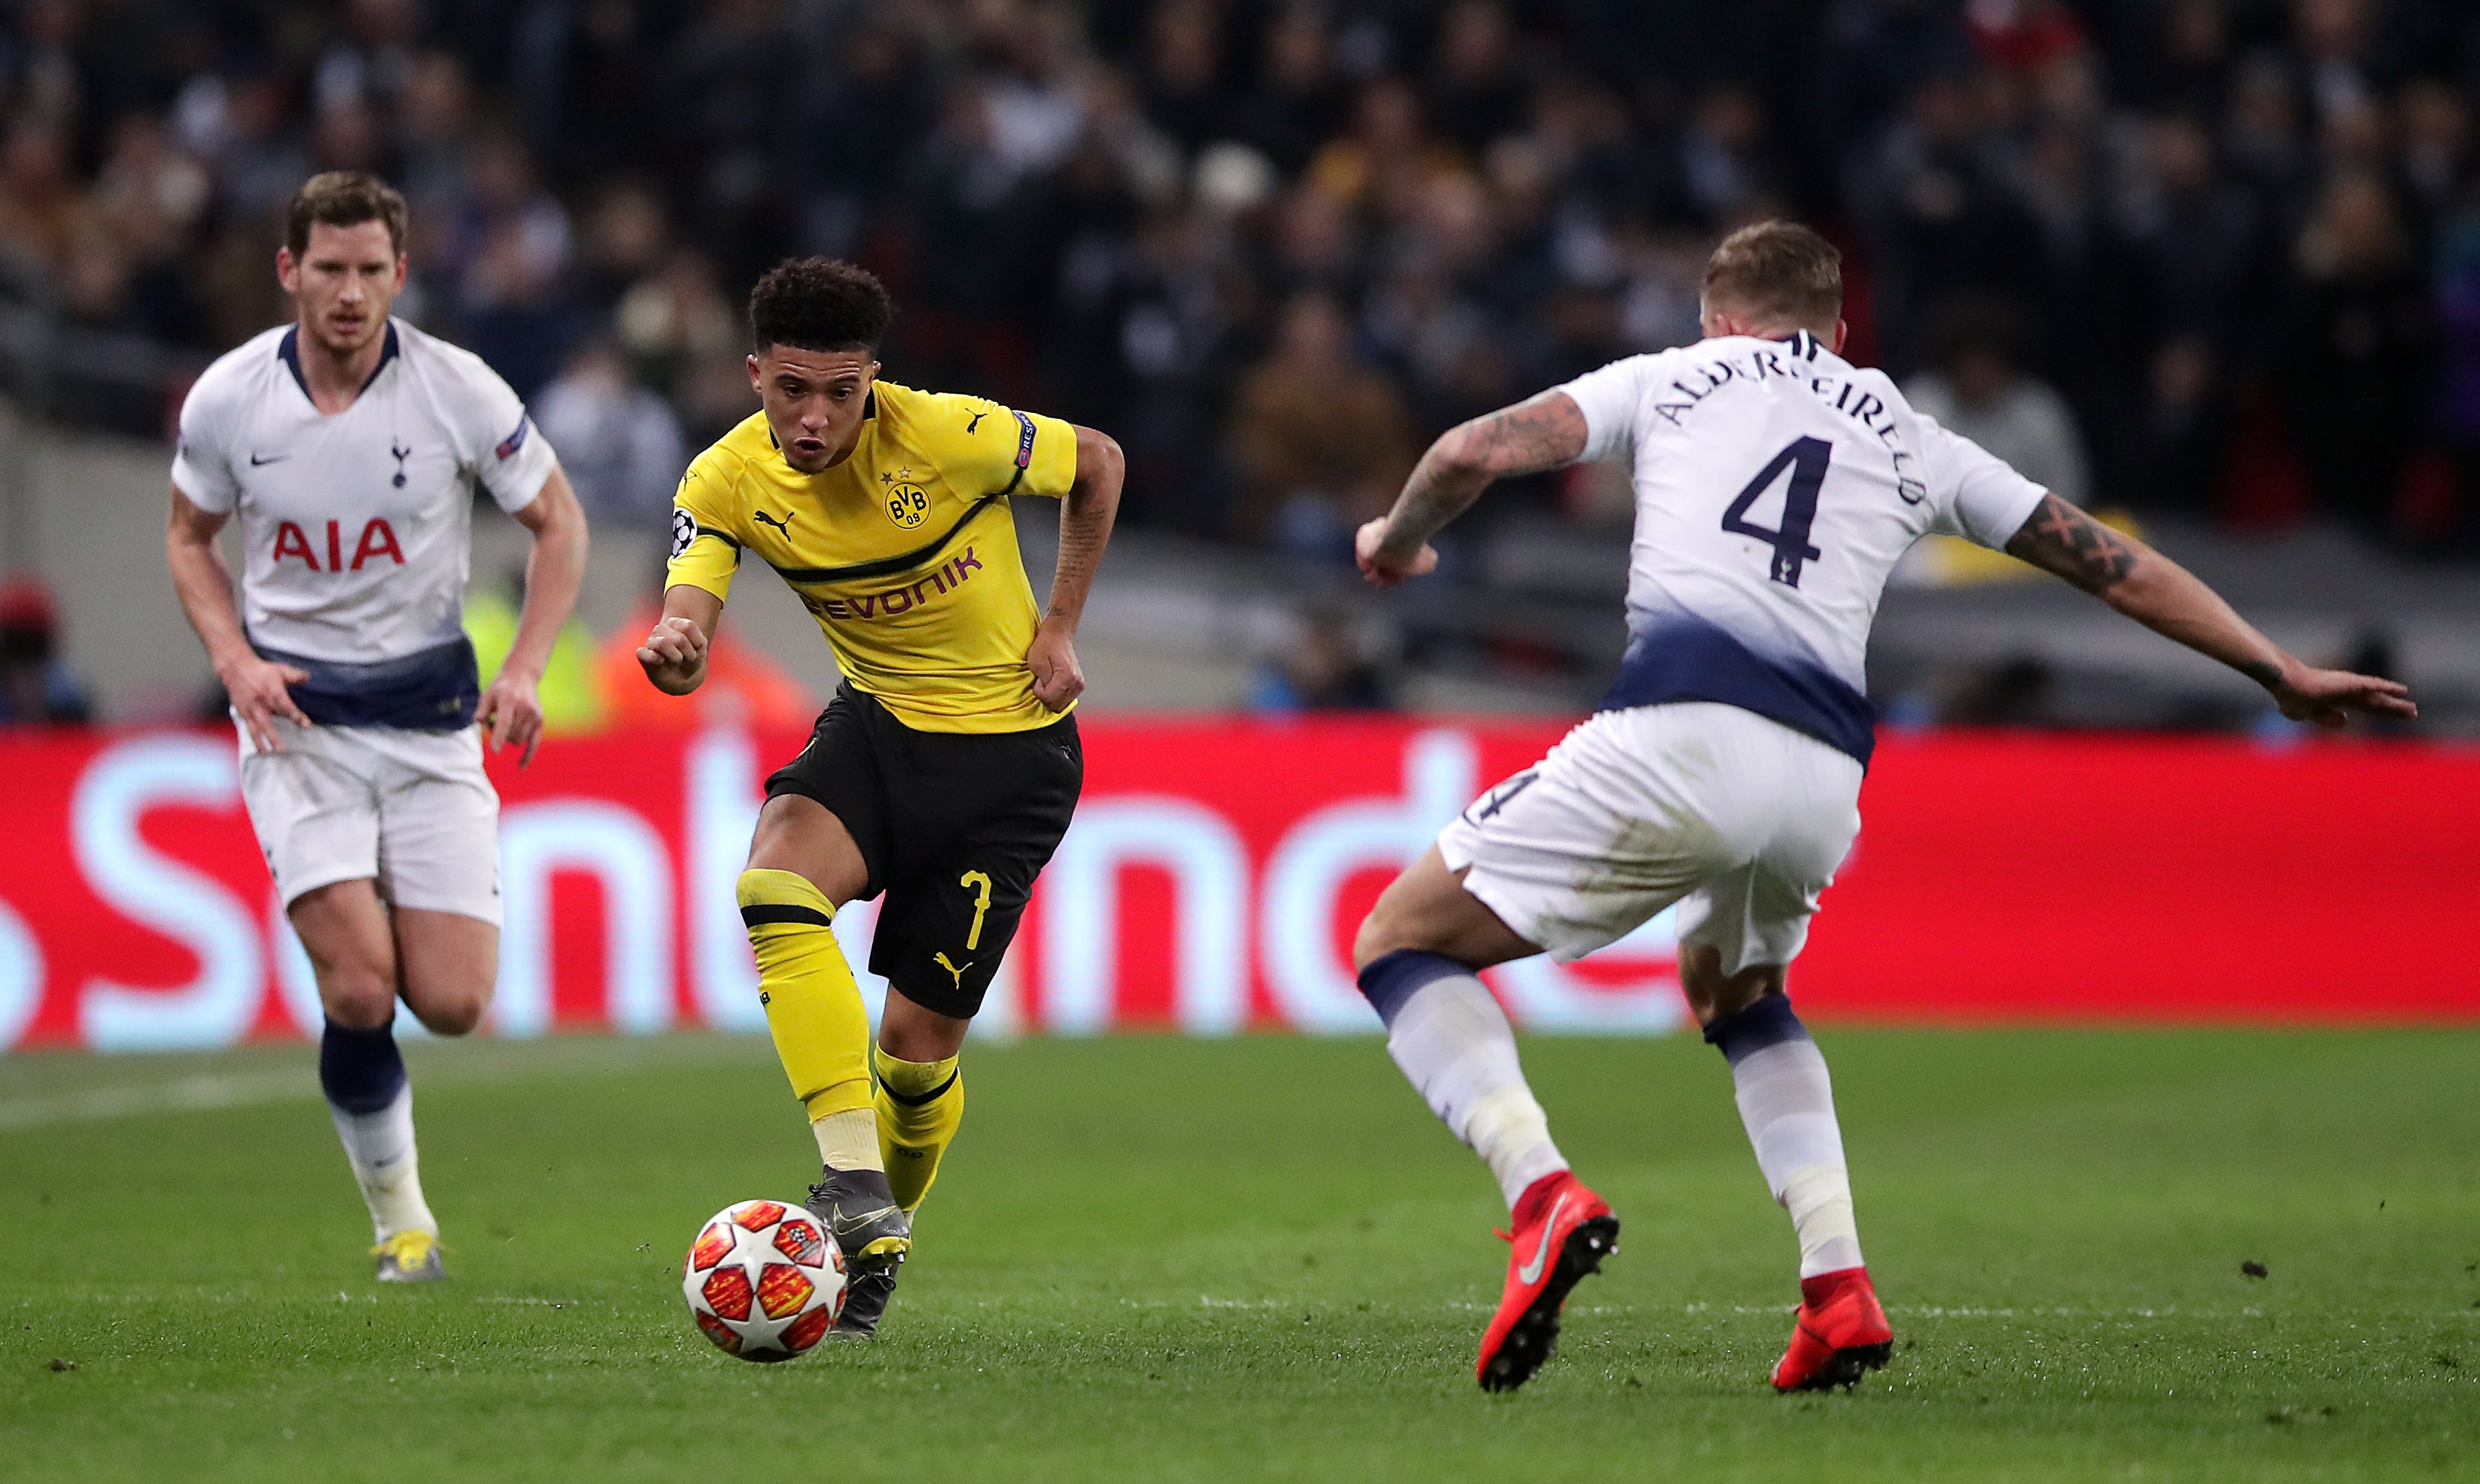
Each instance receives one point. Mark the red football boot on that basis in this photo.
(1841, 1334)
(1563, 1232)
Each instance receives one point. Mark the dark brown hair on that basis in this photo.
(343, 198)
(820, 304)
(1778, 269)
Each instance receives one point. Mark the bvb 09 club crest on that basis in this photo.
(907, 505)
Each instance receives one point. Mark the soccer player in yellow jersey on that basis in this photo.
(946, 768)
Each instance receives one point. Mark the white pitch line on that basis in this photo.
(207, 1091)
(187, 1094)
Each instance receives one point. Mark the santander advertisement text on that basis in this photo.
(1217, 868)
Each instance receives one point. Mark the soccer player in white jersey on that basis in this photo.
(1775, 486)
(350, 444)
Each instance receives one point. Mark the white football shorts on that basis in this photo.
(1739, 820)
(411, 810)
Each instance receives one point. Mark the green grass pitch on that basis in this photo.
(1259, 1259)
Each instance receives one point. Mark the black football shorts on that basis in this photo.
(953, 826)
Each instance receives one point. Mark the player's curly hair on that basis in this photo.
(820, 304)
(1779, 269)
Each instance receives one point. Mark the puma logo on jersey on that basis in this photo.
(785, 525)
(953, 972)
(976, 422)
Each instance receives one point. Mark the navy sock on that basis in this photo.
(1766, 1021)
(1393, 979)
(361, 1072)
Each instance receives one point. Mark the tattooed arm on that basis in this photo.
(2167, 598)
(1545, 431)
(1085, 519)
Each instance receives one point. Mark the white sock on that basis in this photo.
(385, 1166)
(1454, 1042)
(1787, 1103)
(848, 1139)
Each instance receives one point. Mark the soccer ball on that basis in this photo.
(764, 1281)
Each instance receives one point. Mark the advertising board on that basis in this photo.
(1217, 868)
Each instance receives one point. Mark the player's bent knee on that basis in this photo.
(799, 834)
(355, 991)
(1712, 994)
(1399, 919)
(776, 894)
(343, 932)
(450, 967)
(1385, 929)
(455, 1014)
(1405, 915)
(1428, 909)
(912, 1032)
(359, 1000)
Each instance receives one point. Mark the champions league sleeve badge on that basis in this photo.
(683, 532)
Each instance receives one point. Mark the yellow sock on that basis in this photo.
(813, 1008)
(919, 1106)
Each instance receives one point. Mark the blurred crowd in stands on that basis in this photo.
(2214, 256)
(35, 688)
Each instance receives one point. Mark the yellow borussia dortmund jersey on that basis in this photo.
(905, 552)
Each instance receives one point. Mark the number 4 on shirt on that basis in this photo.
(1806, 458)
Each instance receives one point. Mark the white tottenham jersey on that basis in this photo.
(356, 528)
(1776, 485)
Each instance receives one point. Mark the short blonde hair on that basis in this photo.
(1778, 269)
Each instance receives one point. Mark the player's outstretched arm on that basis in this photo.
(1544, 431)
(674, 654)
(512, 710)
(2169, 599)
(256, 686)
(1085, 519)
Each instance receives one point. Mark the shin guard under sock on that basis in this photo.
(920, 1104)
(813, 1008)
(1453, 1041)
(1787, 1104)
(370, 1100)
